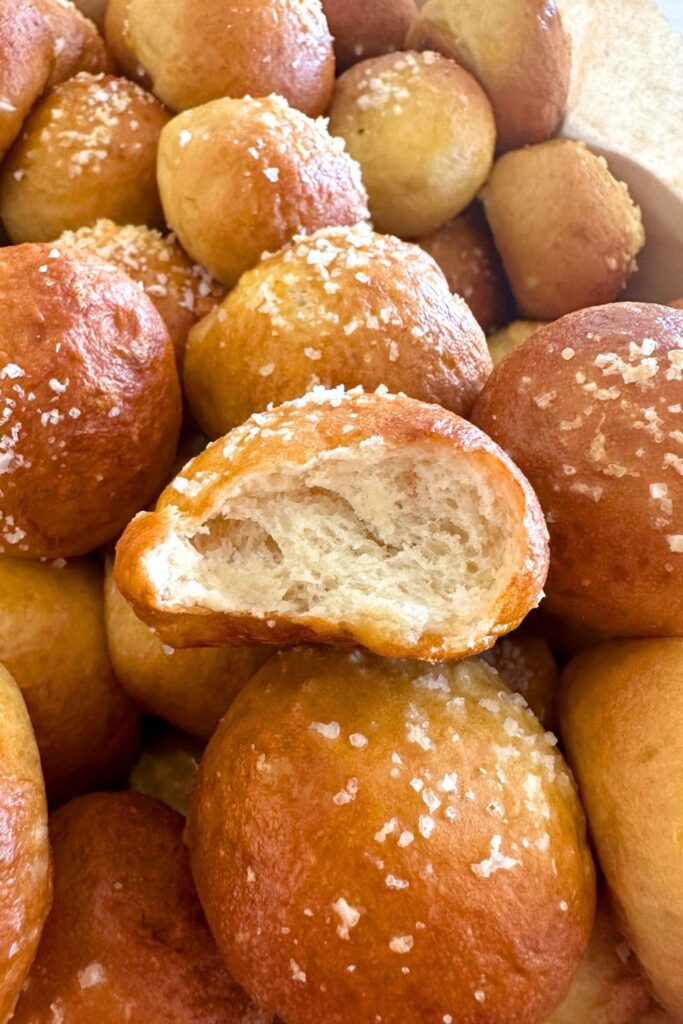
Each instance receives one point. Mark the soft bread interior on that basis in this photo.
(414, 541)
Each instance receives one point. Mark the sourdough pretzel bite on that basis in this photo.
(52, 640)
(342, 306)
(76, 43)
(621, 711)
(590, 409)
(362, 30)
(526, 665)
(510, 337)
(567, 230)
(280, 174)
(88, 151)
(182, 291)
(464, 250)
(517, 49)
(422, 130)
(168, 765)
(457, 882)
(26, 61)
(126, 939)
(341, 517)
(204, 51)
(191, 688)
(25, 888)
(89, 401)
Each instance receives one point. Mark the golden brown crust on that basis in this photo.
(77, 45)
(343, 306)
(464, 250)
(287, 438)
(510, 337)
(622, 715)
(526, 665)
(281, 175)
(126, 937)
(167, 767)
(422, 130)
(191, 689)
(362, 30)
(88, 151)
(677, 304)
(93, 9)
(90, 401)
(26, 61)
(182, 291)
(361, 831)
(590, 410)
(53, 641)
(117, 34)
(202, 52)
(25, 883)
(517, 49)
(567, 230)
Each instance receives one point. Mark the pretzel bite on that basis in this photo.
(526, 665)
(76, 43)
(517, 49)
(281, 174)
(510, 337)
(88, 151)
(203, 51)
(182, 291)
(52, 640)
(93, 9)
(608, 987)
(590, 409)
(621, 711)
(362, 30)
(422, 130)
(126, 939)
(430, 862)
(464, 250)
(191, 688)
(89, 401)
(567, 230)
(25, 888)
(342, 306)
(168, 765)
(26, 61)
(341, 517)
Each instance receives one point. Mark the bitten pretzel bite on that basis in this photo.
(52, 640)
(126, 939)
(464, 250)
(203, 51)
(361, 30)
(88, 151)
(590, 409)
(342, 306)
(621, 711)
(89, 401)
(517, 49)
(77, 45)
(26, 60)
(510, 337)
(182, 291)
(567, 230)
(191, 688)
(422, 130)
(457, 883)
(25, 888)
(281, 174)
(341, 517)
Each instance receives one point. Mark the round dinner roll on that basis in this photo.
(76, 43)
(526, 665)
(93, 9)
(341, 306)
(167, 766)
(88, 151)
(361, 30)
(464, 250)
(621, 713)
(204, 51)
(517, 49)
(429, 863)
(422, 130)
(126, 939)
(25, 887)
(27, 60)
(567, 230)
(193, 688)
(281, 174)
(90, 405)
(510, 337)
(590, 410)
(53, 641)
(182, 291)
